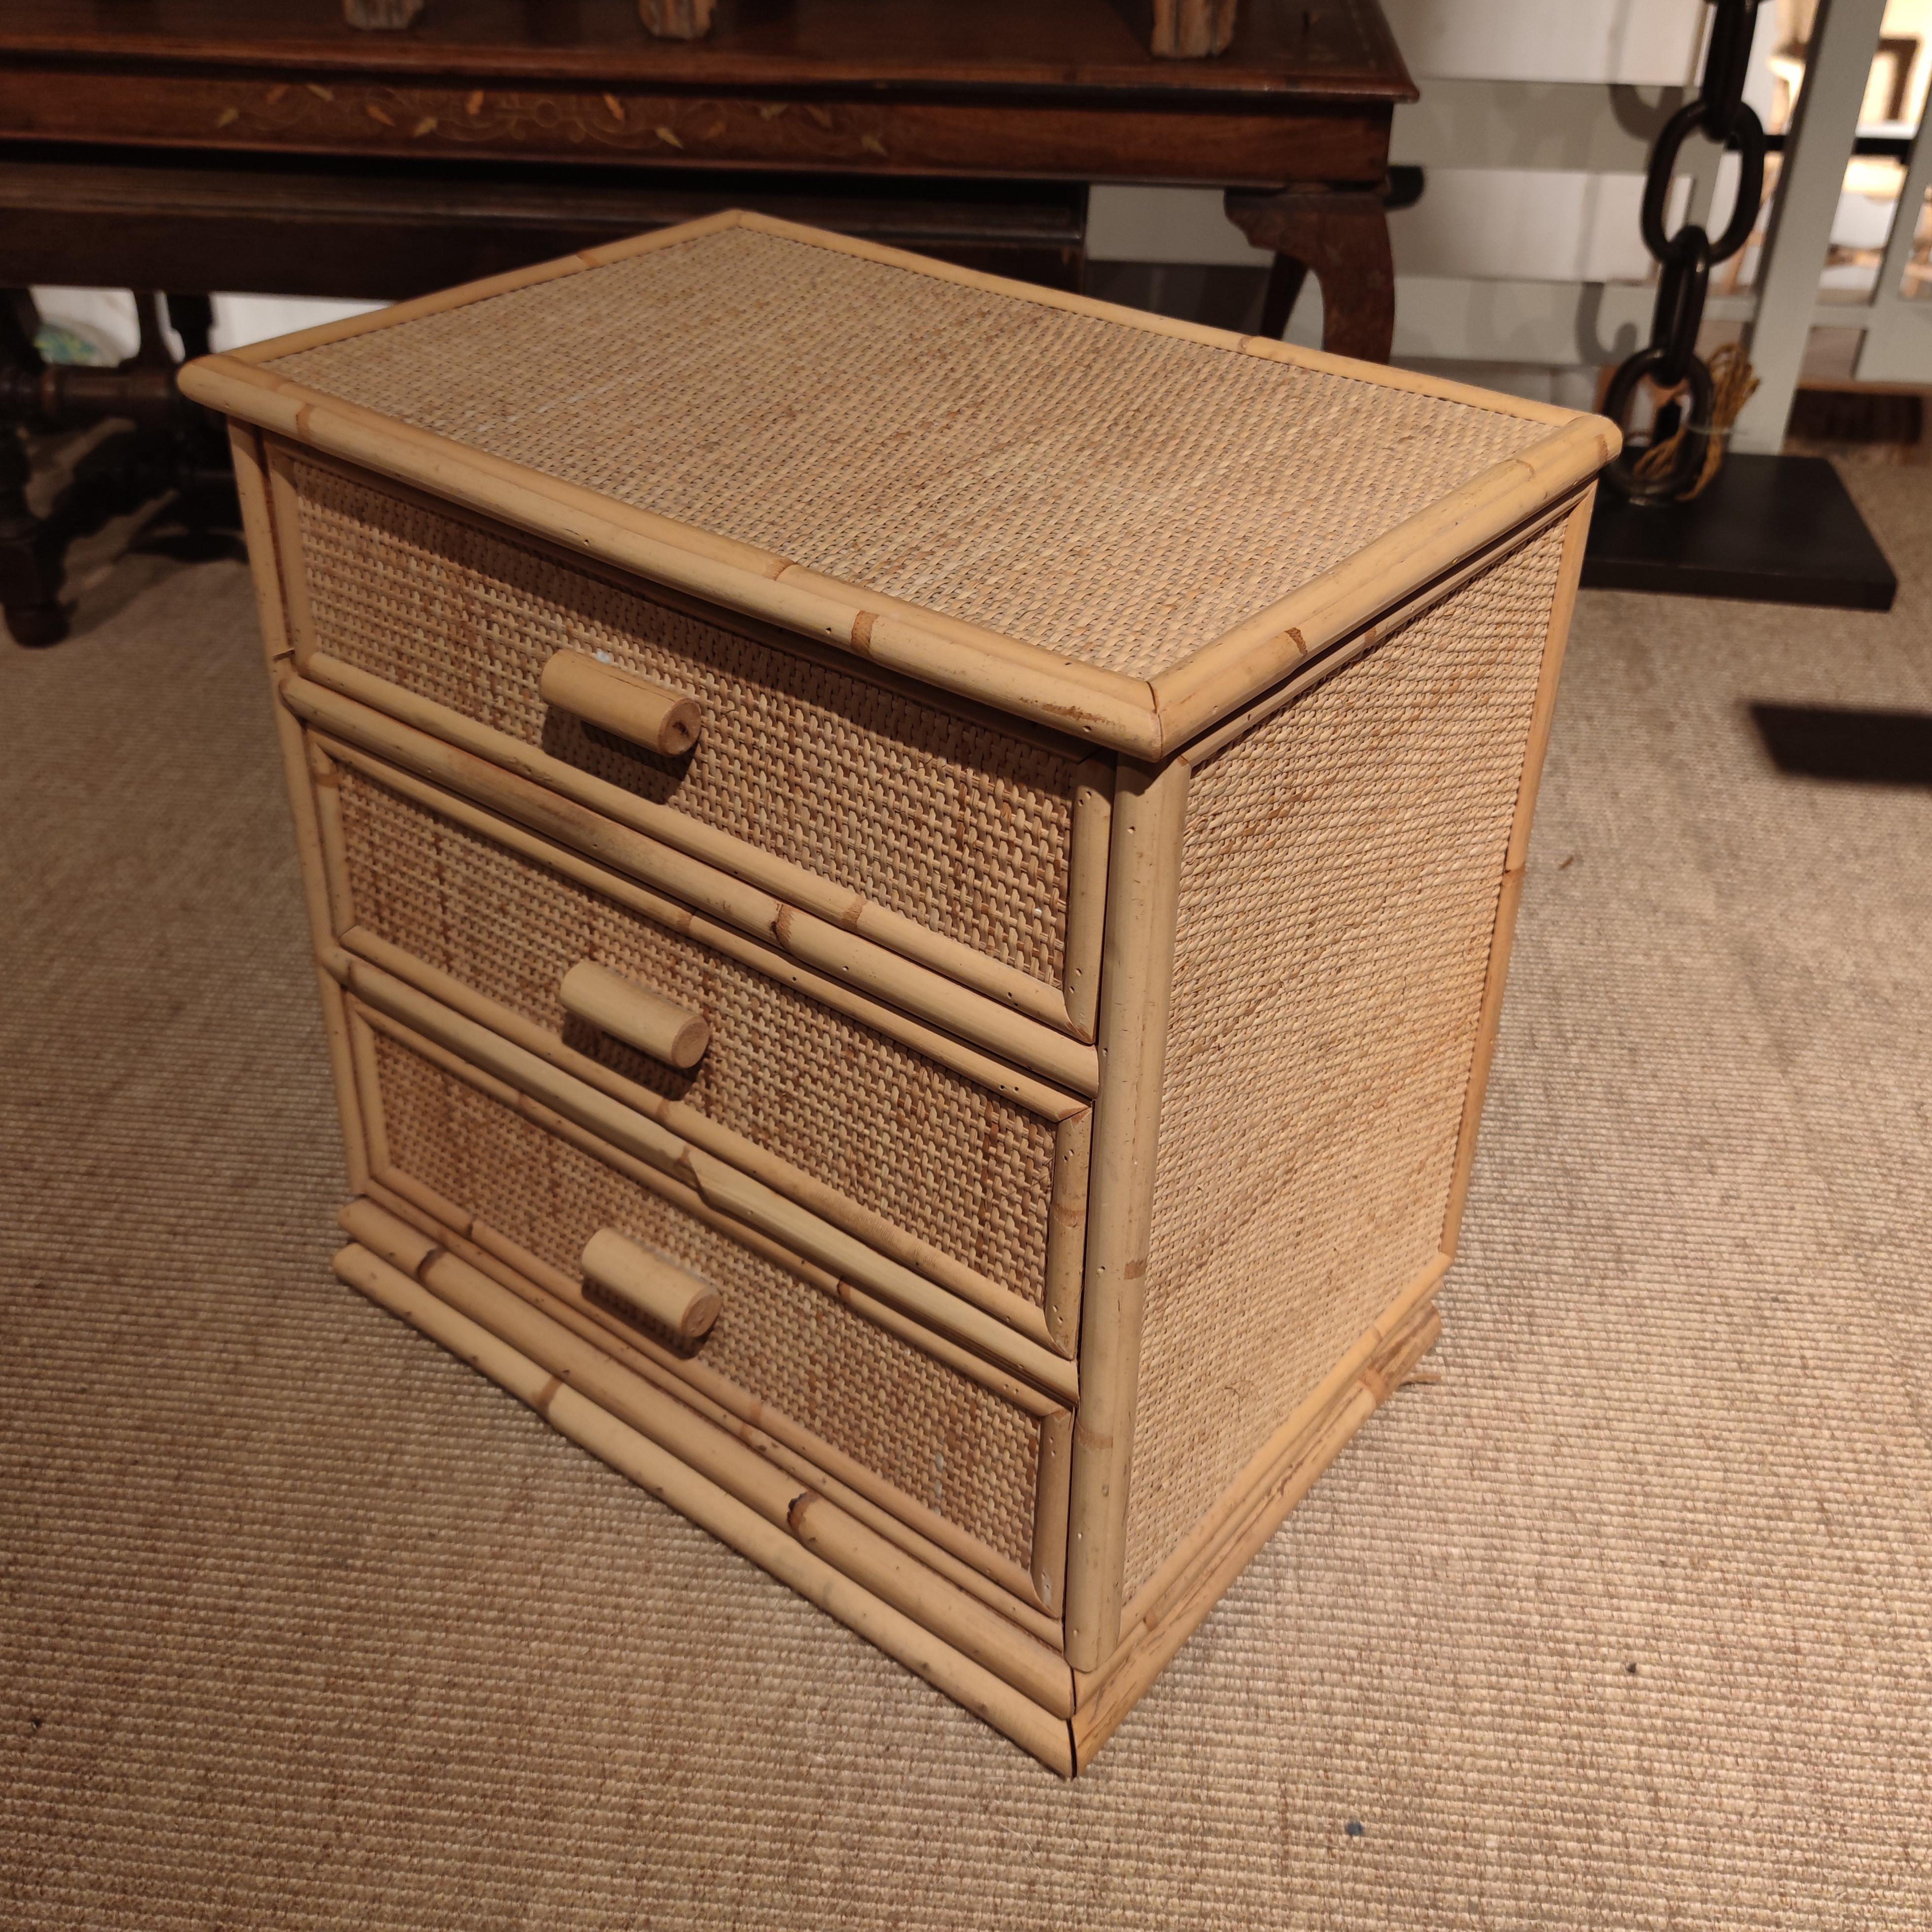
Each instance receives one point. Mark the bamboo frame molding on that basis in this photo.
(694, 889)
(794, 884)
(1516, 860)
(998, 1076)
(251, 486)
(688, 1123)
(1132, 716)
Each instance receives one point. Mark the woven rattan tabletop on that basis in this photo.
(1116, 495)
(1156, 517)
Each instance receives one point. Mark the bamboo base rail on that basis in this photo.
(779, 1547)
(868, 1558)
(928, 1538)
(1185, 1559)
(1106, 1696)
(698, 886)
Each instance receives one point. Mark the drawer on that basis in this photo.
(934, 1439)
(970, 1175)
(960, 827)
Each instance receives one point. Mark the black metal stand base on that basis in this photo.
(1770, 530)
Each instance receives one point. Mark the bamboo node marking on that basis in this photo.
(546, 1395)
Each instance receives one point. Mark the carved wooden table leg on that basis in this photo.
(172, 447)
(1342, 235)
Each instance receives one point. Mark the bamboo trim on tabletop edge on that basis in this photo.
(1143, 890)
(258, 527)
(1105, 1699)
(1516, 860)
(934, 1540)
(1051, 1004)
(713, 1508)
(1006, 1359)
(1320, 665)
(1063, 694)
(963, 1620)
(703, 892)
(1080, 701)
(1224, 676)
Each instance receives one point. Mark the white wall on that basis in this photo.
(107, 317)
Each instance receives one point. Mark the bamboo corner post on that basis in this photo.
(901, 1085)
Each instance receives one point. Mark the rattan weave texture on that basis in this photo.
(956, 1164)
(1338, 897)
(941, 1439)
(947, 820)
(1115, 495)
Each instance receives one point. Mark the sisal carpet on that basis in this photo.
(1626, 1621)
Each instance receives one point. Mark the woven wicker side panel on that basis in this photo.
(941, 1439)
(1117, 496)
(1338, 899)
(957, 1166)
(949, 822)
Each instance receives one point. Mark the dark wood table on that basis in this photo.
(195, 144)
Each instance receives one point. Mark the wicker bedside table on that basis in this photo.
(810, 766)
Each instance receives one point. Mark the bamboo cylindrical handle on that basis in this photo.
(658, 1289)
(650, 715)
(647, 1021)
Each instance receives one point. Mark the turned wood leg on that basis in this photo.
(1340, 235)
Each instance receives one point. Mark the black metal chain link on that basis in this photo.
(1685, 259)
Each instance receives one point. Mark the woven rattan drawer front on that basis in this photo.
(939, 1438)
(956, 1166)
(957, 825)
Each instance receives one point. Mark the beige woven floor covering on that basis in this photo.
(1627, 1622)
